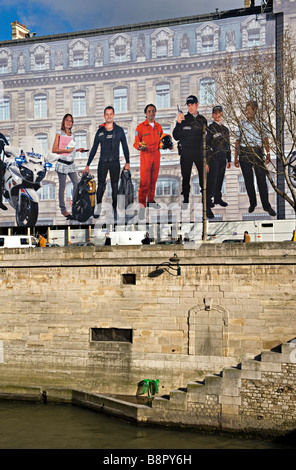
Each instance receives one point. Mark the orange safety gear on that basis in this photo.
(149, 158)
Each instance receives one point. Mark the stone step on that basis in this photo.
(275, 357)
(227, 384)
(195, 386)
(231, 373)
(251, 364)
(214, 384)
(178, 395)
(288, 347)
(160, 402)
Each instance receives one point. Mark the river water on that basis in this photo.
(46, 426)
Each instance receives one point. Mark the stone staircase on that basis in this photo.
(253, 391)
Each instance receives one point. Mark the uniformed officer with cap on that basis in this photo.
(189, 131)
(218, 157)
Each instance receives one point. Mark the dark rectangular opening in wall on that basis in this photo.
(129, 279)
(124, 335)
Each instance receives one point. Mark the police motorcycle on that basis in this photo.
(23, 174)
(292, 169)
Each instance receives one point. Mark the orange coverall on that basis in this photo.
(149, 159)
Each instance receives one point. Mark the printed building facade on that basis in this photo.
(44, 78)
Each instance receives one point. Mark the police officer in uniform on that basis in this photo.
(218, 157)
(189, 131)
(249, 156)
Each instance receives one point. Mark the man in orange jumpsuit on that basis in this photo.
(147, 139)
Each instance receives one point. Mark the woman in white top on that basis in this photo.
(64, 145)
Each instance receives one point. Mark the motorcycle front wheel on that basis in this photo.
(26, 212)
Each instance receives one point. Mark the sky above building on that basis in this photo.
(55, 16)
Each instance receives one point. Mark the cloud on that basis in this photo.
(59, 16)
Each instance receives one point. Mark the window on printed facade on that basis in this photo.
(163, 96)
(78, 53)
(207, 38)
(120, 100)
(253, 38)
(40, 57)
(167, 186)
(69, 191)
(41, 144)
(207, 91)
(242, 185)
(273, 177)
(79, 104)
(78, 57)
(4, 109)
(195, 186)
(40, 62)
(161, 48)
(254, 31)
(3, 65)
(80, 140)
(162, 43)
(120, 53)
(208, 44)
(40, 106)
(254, 87)
(120, 48)
(5, 61)
(47, 192)
(196, 191)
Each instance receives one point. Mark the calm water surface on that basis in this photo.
(44, 426)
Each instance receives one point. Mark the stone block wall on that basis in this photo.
(228, 304)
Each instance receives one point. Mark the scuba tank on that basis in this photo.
(84, 199)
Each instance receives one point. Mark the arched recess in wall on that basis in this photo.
(208, 330)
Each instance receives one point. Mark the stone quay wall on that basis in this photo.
(98, 319)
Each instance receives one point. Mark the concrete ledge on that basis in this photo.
(14, 392)
(109, 405)
(207, 253)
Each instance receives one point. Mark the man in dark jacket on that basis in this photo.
(218, 157)
(109, 136)
(189, 131)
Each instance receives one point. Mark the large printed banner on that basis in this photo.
(159, 103)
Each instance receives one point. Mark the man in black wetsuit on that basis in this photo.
(189, 132)
(109, 136)
(3, 141)
(218, 157)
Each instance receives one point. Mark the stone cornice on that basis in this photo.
(131, 70)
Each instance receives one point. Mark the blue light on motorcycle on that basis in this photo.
(47, 165)
(20, 160)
